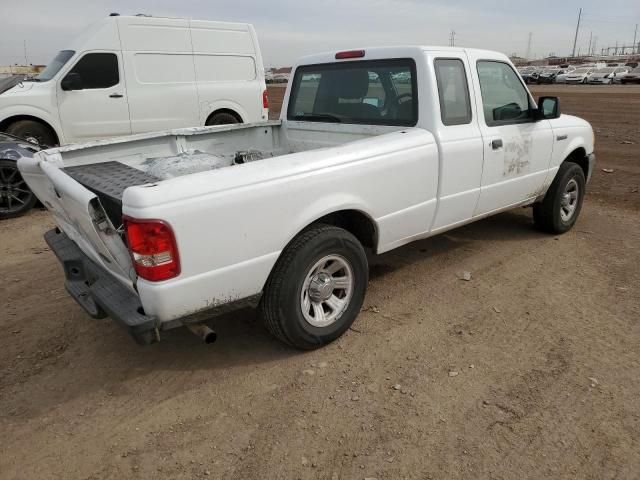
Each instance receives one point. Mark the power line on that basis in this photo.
(529, 46)
(575, 39)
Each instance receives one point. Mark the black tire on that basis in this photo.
(221, 118)
(33, 131)
(15, 196)
(550, 215)
(282, 301)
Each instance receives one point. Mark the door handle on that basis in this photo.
(496, 144)
(115, 95)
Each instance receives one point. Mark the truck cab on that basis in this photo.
(133, 74)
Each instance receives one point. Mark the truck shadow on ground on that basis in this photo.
(243, 339)
(243, 342)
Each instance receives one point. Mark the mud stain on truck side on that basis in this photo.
(517, 155)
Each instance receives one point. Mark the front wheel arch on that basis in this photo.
(7, 122)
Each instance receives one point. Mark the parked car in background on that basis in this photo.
(607, 76)
(631, 77)
(16, 198)
(136, 74)
(632, 65)
(550, 75)
(579, 75)
(530, 74)
(166, 229)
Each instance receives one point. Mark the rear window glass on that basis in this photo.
(378, 92)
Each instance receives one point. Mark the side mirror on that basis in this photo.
(73, 81)
(548, 108)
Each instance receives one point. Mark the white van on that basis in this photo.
(138, 74)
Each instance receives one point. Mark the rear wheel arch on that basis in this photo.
(356, 222)
(222, 112)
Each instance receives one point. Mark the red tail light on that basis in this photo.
(153, 249)
(350, 54)
(265, 99)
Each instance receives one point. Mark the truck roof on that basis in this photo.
(377, 53)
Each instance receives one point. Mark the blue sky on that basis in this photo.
(290, 28)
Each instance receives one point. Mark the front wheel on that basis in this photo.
(15, 196)
(317, 287)
(559, 210)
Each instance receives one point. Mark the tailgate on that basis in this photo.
(79, 213)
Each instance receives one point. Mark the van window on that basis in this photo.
(504, 97)
(97, 70)
(455, 106)
(376, 92)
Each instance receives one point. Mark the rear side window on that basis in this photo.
(97, 70)
(455, 106)
(377, 92)
(504, 99)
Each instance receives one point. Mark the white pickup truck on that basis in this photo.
(374, 149)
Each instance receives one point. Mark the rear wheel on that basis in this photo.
(15, 196)
(222, 118)
(560, 208)
(316, 289)
(34, 132)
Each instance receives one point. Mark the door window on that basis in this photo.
(455, 107)
(97, 70)
(505, 100)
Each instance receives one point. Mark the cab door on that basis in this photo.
(92, 100)
(517, 147)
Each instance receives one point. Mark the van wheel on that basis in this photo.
(34, 132)
(15, 196)
(560, 208)
(222, 118)
(317, 287)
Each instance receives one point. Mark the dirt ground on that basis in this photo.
(529, 370)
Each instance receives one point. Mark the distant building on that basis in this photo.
(21, 69)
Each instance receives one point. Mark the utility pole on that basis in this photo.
(529, 46)
(575, 39)
(594, 48)
(635, 36)
(452, 38)
(26, 62)
(590, 39)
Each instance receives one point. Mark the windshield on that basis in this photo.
(55, 65)
(636, 70)
(605, 70)
(582, 70)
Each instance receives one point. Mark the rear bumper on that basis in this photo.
(98, 293)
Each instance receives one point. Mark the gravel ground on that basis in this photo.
(528, 370)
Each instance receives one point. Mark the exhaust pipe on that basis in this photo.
(203, 331)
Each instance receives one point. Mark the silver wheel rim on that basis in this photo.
(327, 291)
(569, 200)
